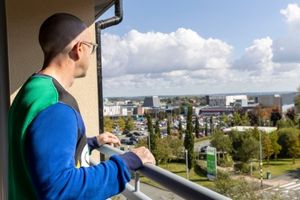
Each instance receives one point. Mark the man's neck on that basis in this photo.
(64, 77)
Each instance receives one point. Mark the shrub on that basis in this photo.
(226, 161)
(242, 167)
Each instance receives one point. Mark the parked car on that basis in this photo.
(134, 138)
(204, 149)
(129, 135)
(128, 141)
(125, 132)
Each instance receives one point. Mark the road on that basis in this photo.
(200, 144)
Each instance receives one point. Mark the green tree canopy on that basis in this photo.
(108, 124)
(289, 139)
(275, 145)
(197, 127)
(249, 149)
(168, 127)
(129, 125)
(180, 130)
(189, 138)
(157, 129)
(267, 146)
(121, 123)
(221, 141)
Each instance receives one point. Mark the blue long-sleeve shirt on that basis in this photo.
(52, 162)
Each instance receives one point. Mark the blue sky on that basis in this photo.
(202, 47)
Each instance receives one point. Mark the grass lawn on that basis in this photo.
(180, 170)
(279, 167)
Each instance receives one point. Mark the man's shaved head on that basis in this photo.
(57, 32)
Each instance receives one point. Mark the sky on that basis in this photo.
(193, 47)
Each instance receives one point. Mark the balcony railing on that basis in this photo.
(176, 184)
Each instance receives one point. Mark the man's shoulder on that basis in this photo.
(38, 90)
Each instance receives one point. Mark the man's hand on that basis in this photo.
(108, 138)
(144, 154)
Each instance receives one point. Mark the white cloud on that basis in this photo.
(291, 13)
(258, 57)
(287, 48)
(155, 52)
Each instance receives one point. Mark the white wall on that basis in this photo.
(25, 56)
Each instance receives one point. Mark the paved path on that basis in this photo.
(287, 185)
(284, 179)
(155, 193)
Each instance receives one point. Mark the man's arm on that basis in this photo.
(50, 148)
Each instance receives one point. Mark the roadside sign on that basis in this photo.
(211, 163)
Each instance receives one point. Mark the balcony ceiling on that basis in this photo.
(102, 5)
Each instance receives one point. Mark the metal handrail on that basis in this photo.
(173, 182)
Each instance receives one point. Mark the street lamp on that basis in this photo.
(186, 163)
(260, 161)
(149, 135)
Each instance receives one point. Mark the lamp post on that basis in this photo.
(260, 161)
(186, 163)
(149, 147)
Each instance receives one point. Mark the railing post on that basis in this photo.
(137, 181)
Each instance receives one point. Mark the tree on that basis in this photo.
(275, 116)
(152, 137)
(211, 125)
(245, 145)
(180, 130)
(275, 145)
(168, 127)
(108, 124)
(197, 127)
(221, 142)
(163, 151)
(235, 188)
(236, 119)
(129, 125)
(289, 139)
(290, 113)
(236, 140)
(249, 148)
(189, 138)
(285, 123)
(224, 120)
(176, 146)
(121, 123)
(206, 128)
(267, 147)
(294, 146)
(253, 118)
(157, 129)
(245, 121)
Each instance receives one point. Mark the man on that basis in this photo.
(48, 148)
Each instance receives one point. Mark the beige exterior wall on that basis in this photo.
(25, 57)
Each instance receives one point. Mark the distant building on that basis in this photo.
(270, 101)
(114, 110)
(245, 128)
(209, 111)
(225, 101)
(152, 102)
(288, 98)
(138, 110)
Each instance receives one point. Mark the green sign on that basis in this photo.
(211, 163)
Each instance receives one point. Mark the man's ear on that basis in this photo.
(75, 51)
